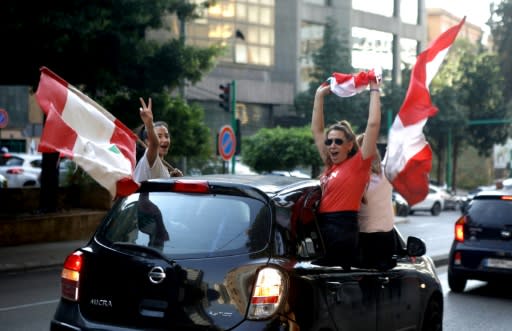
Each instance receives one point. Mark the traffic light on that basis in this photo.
(225, 96)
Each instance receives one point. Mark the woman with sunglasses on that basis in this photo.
(346, 175)
(158, 141)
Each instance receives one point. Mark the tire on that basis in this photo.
(433, 319)
(436, 209)
(456, 283)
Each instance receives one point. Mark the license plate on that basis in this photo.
(499, 263)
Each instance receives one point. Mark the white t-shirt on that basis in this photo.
(144, 172)
(376, 214)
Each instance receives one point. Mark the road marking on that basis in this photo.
(29, 305)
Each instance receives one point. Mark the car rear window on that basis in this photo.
(189, 225)
(491, 211)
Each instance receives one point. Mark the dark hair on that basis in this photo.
(142, 134)
(346, 128)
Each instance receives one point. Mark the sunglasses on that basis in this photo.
(337, 141)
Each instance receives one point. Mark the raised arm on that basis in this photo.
(146, 114)
(317, 120)
(371, 134)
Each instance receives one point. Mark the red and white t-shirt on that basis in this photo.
(343, 184)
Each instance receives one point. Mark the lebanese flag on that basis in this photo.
(347, 85)
(408, 158)
(79, 128)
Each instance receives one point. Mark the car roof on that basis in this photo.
(269, 184)
(486, 194)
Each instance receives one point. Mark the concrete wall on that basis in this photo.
(79, 212)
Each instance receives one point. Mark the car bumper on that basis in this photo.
(484, 264)
(69, 318)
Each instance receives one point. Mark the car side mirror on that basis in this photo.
(416, 246)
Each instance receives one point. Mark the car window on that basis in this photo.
(14, 161)
(36, 163)
(490, 212)
(190, 225)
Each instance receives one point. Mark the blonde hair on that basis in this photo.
(376, 161)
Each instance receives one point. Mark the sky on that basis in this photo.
(476, 11)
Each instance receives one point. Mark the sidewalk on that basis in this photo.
(53, 254)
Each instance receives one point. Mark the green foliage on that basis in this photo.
(102, 48)
(501, 30)
(280, 149)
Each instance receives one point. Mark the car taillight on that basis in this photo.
(15, 171)
(459, 229)
(457, 258)
(506, 197)
(268, 293)
(191, 186)
(70, 276)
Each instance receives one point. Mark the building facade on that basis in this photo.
(270, 44)
(269, 47)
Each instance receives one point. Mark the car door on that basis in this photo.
(398, 299)
(351, 298)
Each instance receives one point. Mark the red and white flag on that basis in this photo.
(81, 129)
(347, 85)
(408, 158)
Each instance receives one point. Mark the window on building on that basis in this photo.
(380, 7)
(311, 39)
(409, 11)
(408, 52)
(371, 48)
(244, 27)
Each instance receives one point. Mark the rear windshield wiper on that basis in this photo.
(142, 250)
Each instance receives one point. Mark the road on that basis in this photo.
(436, 231)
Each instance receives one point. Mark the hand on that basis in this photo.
(146, 113)
(176, 173)
(324, 89)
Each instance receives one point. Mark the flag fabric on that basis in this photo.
(347, 85)
(79, 128)
(408, 158)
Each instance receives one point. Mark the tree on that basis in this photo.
(281, 149)
(105, 49)
(468, 88)
(501, 31)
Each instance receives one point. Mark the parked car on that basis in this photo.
(400, 205)
(235, 252)
(433, 203)
(465, 200)
(24, 170)
(451, 201)
(482, 246)
(21, 169)
(3, 181)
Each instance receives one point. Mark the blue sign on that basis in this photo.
(226, 142)
(4, 118)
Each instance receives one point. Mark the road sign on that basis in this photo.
(226, 142)
(4, 118)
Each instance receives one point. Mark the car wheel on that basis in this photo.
(456, 283)
(436, 209)
(433, 319)
(403, 212)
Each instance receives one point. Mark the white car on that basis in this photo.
(21, 169)
(24, 170)
(433, 203)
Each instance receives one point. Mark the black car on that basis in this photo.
(227, 252)
(482, 246)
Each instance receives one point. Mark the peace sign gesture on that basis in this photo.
(146, 112)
